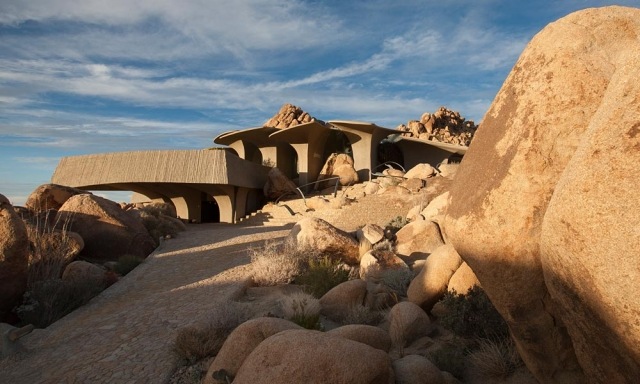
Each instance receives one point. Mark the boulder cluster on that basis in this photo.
(75, 234)
(444, 125)
(288, 116)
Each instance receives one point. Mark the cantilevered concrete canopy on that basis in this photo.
(416, 151)
(186, 178)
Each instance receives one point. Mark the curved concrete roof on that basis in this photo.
(297, 134)
(362, 126)
(209, 166)
(258, 135)
(453, 148)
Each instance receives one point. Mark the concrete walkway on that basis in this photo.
(125, 334)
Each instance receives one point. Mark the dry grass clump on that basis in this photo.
(494, 359)
(51, 248)
(195, 342)
(360, 314)
(303, 309)
(364, 246)
(276, 264)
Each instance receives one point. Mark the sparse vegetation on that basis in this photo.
(303, 309)
(278, 264)
(49, 300)
(364, 246)
(396, 224)
(494, 359)
(198, 341)
(397, 279)
(321, 275)
(451, 357)
(158, 220)
(473, 315)
(360, 314)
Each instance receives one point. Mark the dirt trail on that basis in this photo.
(125, 334)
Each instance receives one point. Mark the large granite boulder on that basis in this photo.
(338, 165)
(107, 230)
(544, 207)
(416, 240)
(318, 234)
(242, 341)
(430, 285)
(50, 196)
(14, 257)
(303, 356)
(277, 184)
(288, 116)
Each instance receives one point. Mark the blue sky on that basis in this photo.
(95, 76)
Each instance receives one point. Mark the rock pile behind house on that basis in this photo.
(289, 116)
(443, 125)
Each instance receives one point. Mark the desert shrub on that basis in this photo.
(364, 246)
(278, 264)
(472, 315)
(360, 314)
(398, 279)
(451, 357)
(396, 224)
(126, 264)
(494, 359)
(198, 341)
(49, 300)
(303, 309)
(383, 245)
(48, 255)
(158, 224)
(321, 275)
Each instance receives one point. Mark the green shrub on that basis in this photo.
(398, 279)
(396, 224)
(321, 275)
(49, 300)
(126, 264)
(473, 315)
(451, 357)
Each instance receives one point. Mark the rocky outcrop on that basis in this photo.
(303, 356)
(338, 165)
(543, 208)
(324, 237)
(288, 116)
(82, 271)
(408, 322)
(242, 341)
(431, 283)
(444, 125)
(277, 184)
(367, 334)
(416, 369)
(50, 196)
(416, 240)
(463, 280)
(107, 230)
(14, 257)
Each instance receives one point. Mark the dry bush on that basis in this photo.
(198, 341)
(277, 264)
(48, 258)
(494, 359)
(364, 246)
(303, 309)
(397, 279)
(360, 314)
(49, 300)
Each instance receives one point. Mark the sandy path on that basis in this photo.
(125, 334)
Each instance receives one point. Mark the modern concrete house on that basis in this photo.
(225, 184)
